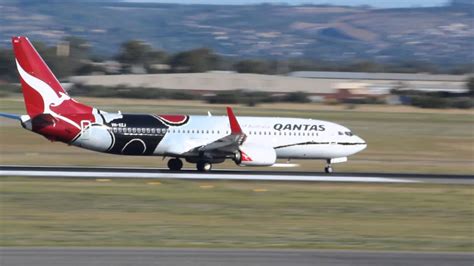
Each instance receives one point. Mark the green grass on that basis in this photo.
(84, 212)
(399, 140)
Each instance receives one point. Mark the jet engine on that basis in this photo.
(253, 155)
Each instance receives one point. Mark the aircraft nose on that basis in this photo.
(363, 143)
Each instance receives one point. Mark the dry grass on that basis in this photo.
(425, 141)
(84, 212)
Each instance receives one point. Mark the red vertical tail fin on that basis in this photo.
(41, 90)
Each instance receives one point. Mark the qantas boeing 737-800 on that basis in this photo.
(202, 140)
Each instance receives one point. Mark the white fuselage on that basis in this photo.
(290, 137)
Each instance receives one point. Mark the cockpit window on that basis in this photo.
(340, 133)
(348, 133)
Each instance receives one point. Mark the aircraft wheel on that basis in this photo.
(328, 169)
(204, 166)
(175, 164)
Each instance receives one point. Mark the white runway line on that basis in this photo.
(243, 176)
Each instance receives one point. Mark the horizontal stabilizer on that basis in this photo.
(11, 116)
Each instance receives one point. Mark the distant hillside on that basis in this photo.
(439, 35)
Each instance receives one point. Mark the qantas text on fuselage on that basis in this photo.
(201, 140)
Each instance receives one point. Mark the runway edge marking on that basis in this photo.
(243, 176)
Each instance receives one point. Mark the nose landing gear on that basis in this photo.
(328, 169)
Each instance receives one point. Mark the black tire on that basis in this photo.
(328, 169)
(175, 164)
(204, 166)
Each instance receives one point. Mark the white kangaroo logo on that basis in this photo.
(50, 98)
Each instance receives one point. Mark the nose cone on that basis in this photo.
(362, 144)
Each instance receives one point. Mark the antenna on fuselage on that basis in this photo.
(209, 113)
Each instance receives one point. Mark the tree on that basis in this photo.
(67, 64)
(7, 65)
(197, 60)
(470, 86)
(252, 66)
(134, 52)
(297, 97)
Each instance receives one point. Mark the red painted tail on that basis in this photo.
(41, 90)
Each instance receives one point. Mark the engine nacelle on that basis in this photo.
(253, 155)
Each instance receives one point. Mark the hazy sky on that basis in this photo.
(375, 3)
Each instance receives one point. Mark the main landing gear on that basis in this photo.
(204, 166)
(328, 169)
(175, 164)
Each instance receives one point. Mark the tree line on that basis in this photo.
(136, 55)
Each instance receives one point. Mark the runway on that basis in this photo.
(155, 173)
(223, 257)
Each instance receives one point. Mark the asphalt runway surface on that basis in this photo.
(127, 172)
(223, 257)
(118, 172)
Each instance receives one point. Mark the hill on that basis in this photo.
(442, 35)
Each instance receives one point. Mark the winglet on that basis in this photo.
(234, 124)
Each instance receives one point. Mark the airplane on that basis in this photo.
(203, 140)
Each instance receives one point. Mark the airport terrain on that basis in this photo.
(400, 139)
(44, 211)
(235, 214)
(215, 257)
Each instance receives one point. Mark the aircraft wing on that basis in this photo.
(228, 144)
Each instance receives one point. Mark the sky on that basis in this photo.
(374, 3)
